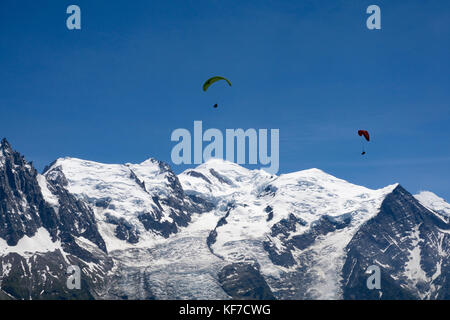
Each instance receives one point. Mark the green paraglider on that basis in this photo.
(210, 81)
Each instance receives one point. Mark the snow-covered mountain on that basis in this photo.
(218, 231)
(127, 200)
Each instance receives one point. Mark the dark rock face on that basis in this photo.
(322, 227)
(268, 191)
(43, 277)
(138, 181)
(244, 281)
(220, 177)
(212, 237)
(402, 233)
(23, 210)
(22, 206)
(269, 211)
(181, 206)
(201, 204)
(282, 230)
(164, 228)
(124, 230)
(196, 174)
(30, 281)
(74, 218)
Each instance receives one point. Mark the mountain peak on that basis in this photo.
(220, 165)
(148, 162)
(4, 144)
(313, 173)
(219, 162)
(7, 152)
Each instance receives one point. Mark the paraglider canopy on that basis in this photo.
(365, 134)
(210, 81)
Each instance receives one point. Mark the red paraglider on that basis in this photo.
(366, 135)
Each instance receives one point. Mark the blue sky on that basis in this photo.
(114, 91)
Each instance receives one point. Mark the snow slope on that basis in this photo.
(222, 181)
(434, 203)
(40, 242)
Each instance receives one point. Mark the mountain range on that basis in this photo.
(217, 231)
